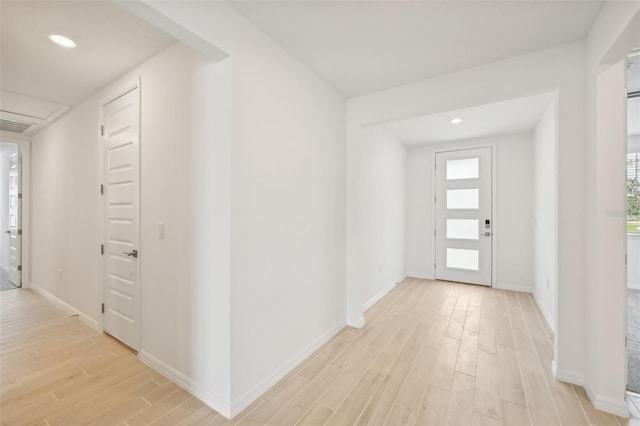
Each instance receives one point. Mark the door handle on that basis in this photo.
(133, 253)
(487, 234)
(7, 232)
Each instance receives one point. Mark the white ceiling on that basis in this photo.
(110, 43)
(364, 46)
(508, 117)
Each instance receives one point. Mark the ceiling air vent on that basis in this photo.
(18, 123)
(14, 126)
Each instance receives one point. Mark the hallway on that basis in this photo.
(5, 284)
(431, 353)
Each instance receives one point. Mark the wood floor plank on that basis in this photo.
(480, 419)
(467, 353)
(503, 331)
(318, 415)
(269, 408)
(487, 387)
(456, 324)
(446, 363)
(407, 405)
(89, 409)
(511, 388)
(349, 411)
(380, 404)
(472, 320)
(433, 410)
(460, 408)
(596, 417)
(182, 411)
(158, 410)
(487, 336)
(202, 415)
(514, 414)
(328, 353)
(120, 414)
(298, 406)
(430, 353)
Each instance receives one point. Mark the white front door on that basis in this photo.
(121, 157)
(15, 220)
(463, 216)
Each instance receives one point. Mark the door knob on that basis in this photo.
(487, 234)
(133, 253)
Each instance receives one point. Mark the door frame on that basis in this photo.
(24, 148)
(117, 91)
(495, 226)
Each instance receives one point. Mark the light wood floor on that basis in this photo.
(431, 353)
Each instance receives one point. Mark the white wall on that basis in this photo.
(545, 213)
(182, 172)
(419, 207)
(615, 32)
(560, 68)
(383, 193)
(512, 226)
(284, 206)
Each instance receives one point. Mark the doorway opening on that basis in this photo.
(633, 226)
(463, 206)
(11, 217)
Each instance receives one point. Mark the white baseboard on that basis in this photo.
(610, 405)
(245, 400)
(512, 287)
(369, 303)
(613, 406)
(93, 324)
(633, 286)
(359, 323)
(420, 276)
(221, 405)
(567, 376)
(547, 317)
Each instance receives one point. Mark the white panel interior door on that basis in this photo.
(121, 156)
(463, 206)
(15, 220)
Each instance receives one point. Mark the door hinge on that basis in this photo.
(101, 189)
(19, 195)
(102, 308)
(101, 248)
(19, 268)
(19, 231)
(101, 130)
(625, 258)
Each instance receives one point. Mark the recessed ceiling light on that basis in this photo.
(456, 121)
(62, 41)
